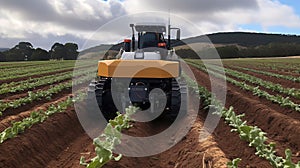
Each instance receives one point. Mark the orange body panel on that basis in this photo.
(138, 68)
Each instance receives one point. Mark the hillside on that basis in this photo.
(3, 49)
(228, 45)
(246, 39)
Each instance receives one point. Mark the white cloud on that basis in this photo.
(78, 19)
(273, 13)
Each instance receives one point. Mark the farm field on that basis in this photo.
(39, 126)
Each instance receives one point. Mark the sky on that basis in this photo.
(44, 22)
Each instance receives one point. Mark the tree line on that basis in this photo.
(24, 51)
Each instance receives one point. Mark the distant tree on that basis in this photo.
(14, 54)
(71, 52)
(187, 53)
(228, 51)
(57, 51)
(2, 57)
(20, 52)
(26, 49)
(40, 54)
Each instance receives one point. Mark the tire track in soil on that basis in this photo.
(281, 129)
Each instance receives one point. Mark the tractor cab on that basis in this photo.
(151, 43)
(151, 39)
(151, 36)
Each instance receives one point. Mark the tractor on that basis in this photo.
(146, 73)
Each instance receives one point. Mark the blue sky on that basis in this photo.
(294, 3)
(45, 22)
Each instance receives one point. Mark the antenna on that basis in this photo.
(169, 21)
(133, 38)
(169, 31)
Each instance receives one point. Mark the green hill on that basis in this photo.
(246, 39)
(227, 44)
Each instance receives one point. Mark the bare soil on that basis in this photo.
(60, 141)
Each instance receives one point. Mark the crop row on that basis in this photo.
(282, 101)
(32, 96)
(13, 66)
(252, 134)
(41, 72)
(290, 65)
(278, 68)
(32, 66)
(28, 84)
(32, 71)
(37, 117)
(109, 139)
(286, 77)
(254, 80)
(30, 80)
(36, 73)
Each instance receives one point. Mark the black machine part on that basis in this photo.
(153, 94)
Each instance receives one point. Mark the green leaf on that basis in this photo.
(234, 163)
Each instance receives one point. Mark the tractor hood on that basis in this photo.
(139, 68)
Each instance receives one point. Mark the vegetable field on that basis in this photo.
(259, 125)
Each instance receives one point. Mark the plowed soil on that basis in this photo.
(284, 82)
(60, 141)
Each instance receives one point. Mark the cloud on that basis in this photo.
(21, 20)
(190, 7)
(273, 13)
(76, 14)
(57, 20)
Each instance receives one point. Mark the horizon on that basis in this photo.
(100, 44)
(117, 42)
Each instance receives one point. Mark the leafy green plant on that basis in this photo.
(282, 101)
(234, 163)
(291, 78)
(37, 117)
(109, 139)
(33, 96)
(45, 80)
(254, 80)
(252, 134)
(17, 73)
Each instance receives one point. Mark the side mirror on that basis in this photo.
(178, 35)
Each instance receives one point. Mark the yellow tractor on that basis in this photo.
(147, 76)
